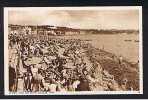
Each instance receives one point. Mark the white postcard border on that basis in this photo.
(6, 76)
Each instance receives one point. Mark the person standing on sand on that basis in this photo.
(12, 78)
(120, 60)
(38, 80)
(27, 81)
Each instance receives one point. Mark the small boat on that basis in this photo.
(136, 41)
(127, 40)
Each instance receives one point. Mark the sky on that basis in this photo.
(84, 19)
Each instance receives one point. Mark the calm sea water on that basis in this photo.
(115, 44)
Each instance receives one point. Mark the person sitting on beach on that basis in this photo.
(60, 86)
(124, 84)
(53, 86)
(75, 84)
(84, 85)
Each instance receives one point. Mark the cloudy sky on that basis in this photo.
(94, 19)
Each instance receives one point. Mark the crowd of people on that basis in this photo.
(54, 64)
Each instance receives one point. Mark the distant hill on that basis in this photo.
(109, 31)
(84, 31)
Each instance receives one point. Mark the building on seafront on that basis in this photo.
(42, 30)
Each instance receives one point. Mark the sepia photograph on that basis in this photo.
(73, 50)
